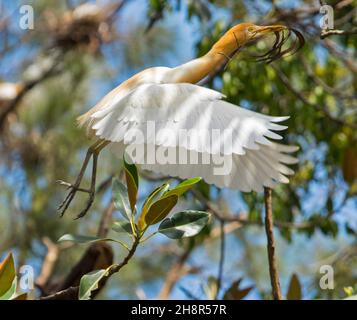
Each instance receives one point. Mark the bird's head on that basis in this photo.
(243, 34)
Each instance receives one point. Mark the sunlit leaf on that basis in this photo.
(159, 210)
(184, 186)
(82, 239)
(184, 224)
(121, 200)
(294, 291)
(153, 197)
(7, 273)
(90, 283)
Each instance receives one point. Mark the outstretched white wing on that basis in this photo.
(173, 119)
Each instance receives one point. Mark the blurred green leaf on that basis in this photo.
(294, 290)
(7, 273)
(82, 239)
(234, 292)
(122, 226)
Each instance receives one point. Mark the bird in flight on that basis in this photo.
(173, 101)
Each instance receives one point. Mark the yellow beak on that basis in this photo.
(269, 29)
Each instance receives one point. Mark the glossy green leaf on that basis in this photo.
(7, 273)
(82, 239)
(294, 291)
(89, 283)
(121, 200)
(184, 186)
(184, 224)
(159, 210)
(132, 182)
(122, 226)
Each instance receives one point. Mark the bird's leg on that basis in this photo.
(93, 150)
(92, 185)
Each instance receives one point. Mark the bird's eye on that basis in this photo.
(250, 29)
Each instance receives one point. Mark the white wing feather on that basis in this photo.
(256, 161)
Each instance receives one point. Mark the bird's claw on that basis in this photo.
(62, 208)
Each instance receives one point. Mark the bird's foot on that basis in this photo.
(73, 188)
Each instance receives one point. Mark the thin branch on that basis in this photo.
(48, 264)
(334, 32)
(175, 273)
(71, 293)
(285, 80)
(273, 271)
(221, 258)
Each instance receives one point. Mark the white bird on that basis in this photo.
(171, 99)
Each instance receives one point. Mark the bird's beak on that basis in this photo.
(263, 30)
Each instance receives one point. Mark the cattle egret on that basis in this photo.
(171, 99)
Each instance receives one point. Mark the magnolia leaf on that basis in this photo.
(89, 283)
(121, 200)
(294, 291)
(7, 274)
(234, 292)
(184, 224)
(122, 226)
(159, 210)
(82, 239)
(153, 197)
(183, 186)
(132, 182)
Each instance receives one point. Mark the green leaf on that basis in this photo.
(9, 294)
(183, 186)
(294, 291)
(121, 200)
(89, 283)
(234, 292)
(7, 274)
(153, 197)
(158, 211)
(82, 239)
(184, 224)
(132, 182)
(122, 226)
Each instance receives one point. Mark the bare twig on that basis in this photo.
(221, 258)
(334, 32)
(273, 271)
(48, 263)
(175, 273)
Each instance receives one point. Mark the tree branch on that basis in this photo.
(273, 271)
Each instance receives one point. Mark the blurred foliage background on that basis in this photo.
(79, 50)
